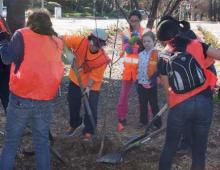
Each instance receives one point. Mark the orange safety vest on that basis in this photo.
(130, 60)
(196, 50)
(97, 63)
(41, 70)
(152, 64)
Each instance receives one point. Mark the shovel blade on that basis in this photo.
(112, 158)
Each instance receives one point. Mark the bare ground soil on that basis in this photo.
(80, 156)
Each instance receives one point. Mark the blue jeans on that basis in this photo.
(196, 112)
(21, 111)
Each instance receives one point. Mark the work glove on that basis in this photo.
(86, 91)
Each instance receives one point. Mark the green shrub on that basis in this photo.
(209, 38)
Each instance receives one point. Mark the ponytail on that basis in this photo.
(184, 25)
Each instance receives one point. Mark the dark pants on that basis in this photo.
(4, 84)
(145, 96)
(74, 100)
(196, 113)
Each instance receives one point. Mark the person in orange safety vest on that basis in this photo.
(193, 108)
(91, 62)
(36, 72)
(131, 46)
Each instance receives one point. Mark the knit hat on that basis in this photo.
(100, 34)
(167, 30)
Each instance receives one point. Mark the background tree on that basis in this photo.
(15, 13)
(153, 13)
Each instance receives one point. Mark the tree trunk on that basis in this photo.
(136, 4)
(214, 10)
(173, 7)
(153, 13)
(15, 14)
(78, 5)
(167, 8)
(218, 10)
(210, 10)
(102, 9)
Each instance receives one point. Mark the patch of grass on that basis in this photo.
(209, 38)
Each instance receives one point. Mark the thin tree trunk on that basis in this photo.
(78, 5)
(215, 10)
(210, 10)
(218, 11)
(153, 14)
(102, 9)
(136, 4)
(167, 8)
(173, 7)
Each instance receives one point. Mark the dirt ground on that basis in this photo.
(80, 156)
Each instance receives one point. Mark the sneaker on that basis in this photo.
(123, 122)
(120, 127)
(72, 131)
(88, 137)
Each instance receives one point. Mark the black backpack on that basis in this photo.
(184, 72)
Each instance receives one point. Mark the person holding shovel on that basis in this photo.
(131, 46)
(91, 62)
(192, 107)
(36, 72)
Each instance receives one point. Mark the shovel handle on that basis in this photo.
(162, 110)
(85, 97)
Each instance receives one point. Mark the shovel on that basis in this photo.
(117, 157)
(70, 57)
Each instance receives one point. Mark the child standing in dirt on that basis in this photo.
(147, 79)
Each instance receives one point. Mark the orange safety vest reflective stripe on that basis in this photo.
(131, 60)
(152, 64)
(90, 63)
(41, 70)
(195, 49)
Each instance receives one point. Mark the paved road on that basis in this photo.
(63, 26)
(68, 25)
